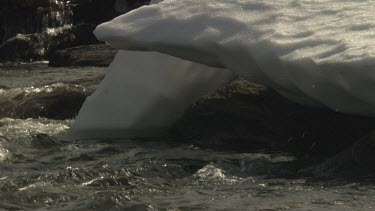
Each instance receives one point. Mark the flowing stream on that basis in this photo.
(39, 170)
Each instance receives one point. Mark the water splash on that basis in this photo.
(63, 16)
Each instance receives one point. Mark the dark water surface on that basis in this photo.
(41, 171)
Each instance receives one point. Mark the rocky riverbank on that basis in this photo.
(40, 46)
(32, 16)
(34, 30)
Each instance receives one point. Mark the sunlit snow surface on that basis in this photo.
(319, 53)
(319, 50)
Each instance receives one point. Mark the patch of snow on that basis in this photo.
(318, 53)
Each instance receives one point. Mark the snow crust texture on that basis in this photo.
(319, 53)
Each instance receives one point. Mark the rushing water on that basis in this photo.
(39, 170)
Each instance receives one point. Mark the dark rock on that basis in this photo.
(56, 101)
(83, 35)
(252, 117)
(89, 55)
(93, 11)
(25, 4)
(356, 161)
(99, 11)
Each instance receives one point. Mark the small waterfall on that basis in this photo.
(62, 16)
(33, 18)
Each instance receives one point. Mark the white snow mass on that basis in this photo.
(144, 92)
(318, 53)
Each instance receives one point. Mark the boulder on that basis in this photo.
(248, 116)
(55, 101)
(90, 55)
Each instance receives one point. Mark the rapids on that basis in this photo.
(39, 170)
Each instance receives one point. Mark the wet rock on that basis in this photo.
(39, 46)
(56, 101)
(90, 55)
(34, 46)
(246, 116)
(25, 26)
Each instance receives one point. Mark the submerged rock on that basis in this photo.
(90, 55)
(56, 101)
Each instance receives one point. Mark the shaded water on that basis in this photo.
(39, 170)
